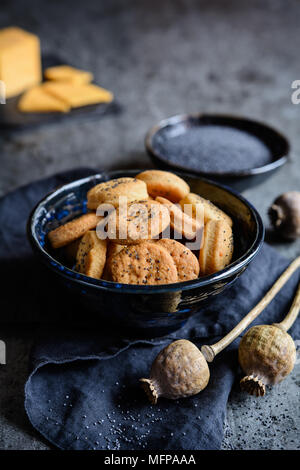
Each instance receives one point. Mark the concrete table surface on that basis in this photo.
(160, 59)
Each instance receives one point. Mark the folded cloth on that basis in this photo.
(83, 392)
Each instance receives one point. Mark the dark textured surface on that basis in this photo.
(160, 59)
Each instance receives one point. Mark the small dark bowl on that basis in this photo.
(152, 310)
(240, 180)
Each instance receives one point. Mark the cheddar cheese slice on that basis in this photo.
(20, 60)
(37, 100)
(76, 95)
(67, 73)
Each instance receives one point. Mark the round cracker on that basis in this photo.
(146, 264)
(110, 191)
(186, 262)
(165, 184)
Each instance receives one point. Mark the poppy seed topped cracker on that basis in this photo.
(137, 222)
(145, 263)
(186, 262)
(110, 191)
(91, 255)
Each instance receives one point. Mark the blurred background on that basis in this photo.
(159, 58)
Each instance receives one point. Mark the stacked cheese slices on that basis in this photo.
(64, 87)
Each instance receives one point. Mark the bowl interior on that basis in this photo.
(161, 135)
(70, 201)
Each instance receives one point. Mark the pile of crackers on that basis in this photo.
(147, 230)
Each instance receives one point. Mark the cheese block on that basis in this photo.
(20, 60)
(67, 73)
(37, 100)
(78, 95)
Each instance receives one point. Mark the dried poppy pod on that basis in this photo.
(180, 370)
(267, 353)
(285, 215)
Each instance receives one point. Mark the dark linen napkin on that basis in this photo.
(82, 391)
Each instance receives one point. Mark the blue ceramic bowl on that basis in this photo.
(152, 310)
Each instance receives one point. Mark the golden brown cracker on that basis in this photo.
(145, 264)
(180, 222)
(72, 230)
(211, 212)
(91, 255)
(217, 250)
(110, 191)
(165, 184)
(186, 262)
(137, 222)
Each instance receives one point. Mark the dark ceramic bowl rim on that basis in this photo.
(68, 273)
(279, 160)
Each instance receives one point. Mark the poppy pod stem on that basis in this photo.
(210, 351)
